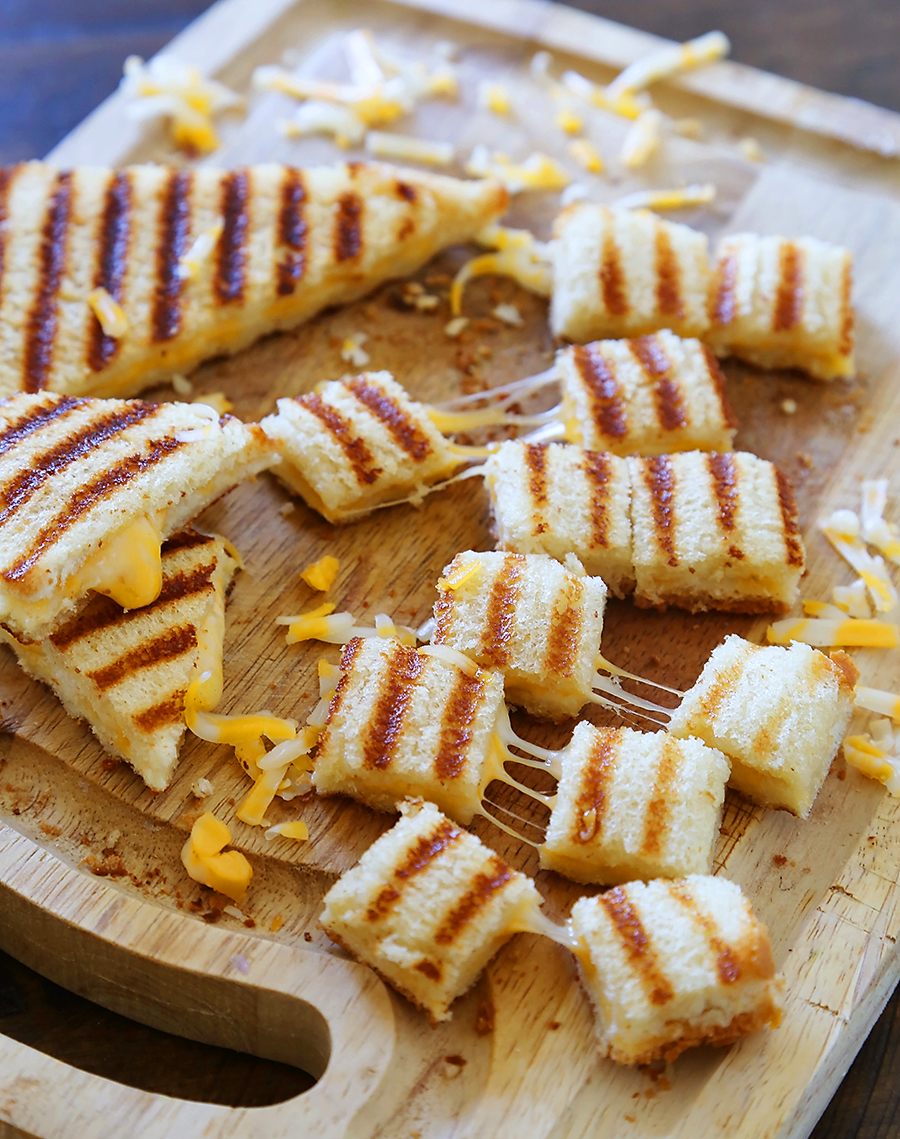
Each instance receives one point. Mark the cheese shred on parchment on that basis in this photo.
(518, 255)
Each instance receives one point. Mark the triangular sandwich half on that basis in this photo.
(89, 488)
(184, 264)
(127, 673)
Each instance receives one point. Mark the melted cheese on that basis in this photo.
(128, 568)
(203, 857)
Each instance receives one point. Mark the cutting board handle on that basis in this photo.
(328, 1016)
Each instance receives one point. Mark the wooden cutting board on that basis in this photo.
(92, 892)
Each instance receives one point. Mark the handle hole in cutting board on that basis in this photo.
(70, 1028)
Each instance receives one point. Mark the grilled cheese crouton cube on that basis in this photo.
(649, 396)
(539, 623)
(634, 805)
(783, 303)
(670, 964)
(714, 531)
(202, 261)
(626, 273)
(127, 672)
(355, 443)
(779, 714)
(91, 489)
(427, 907)
(405, 724)
(557, 499)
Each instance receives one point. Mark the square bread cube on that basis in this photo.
(404, 724)
(714, 531)
(537, 622)
(626, 273)
(634, 805)
(355, 443)
(649, 396)
(783, 303)
(673, 963)
(556, 499)
(428, 906)
(778, 713)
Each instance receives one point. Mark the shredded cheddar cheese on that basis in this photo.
(494, 97)
(459, 576)
(843, 531)
(383, 144)
(519, 255)
(208, 863)
(668, 61)
(191, 264)
(321, 574)
(878, 758)
(587, 156)
(697, 194)
(109, 313)
(829, 633)
(537, 172)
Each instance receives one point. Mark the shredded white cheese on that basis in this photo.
(508, 314)
(537, 172)
(519, 255)
(697, 194)
(109, 313)
(668, 61)
(190, 265)
(642, 140)
(386, 145)
(353, 352)
(877, 754)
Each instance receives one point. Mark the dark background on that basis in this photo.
(58, 60)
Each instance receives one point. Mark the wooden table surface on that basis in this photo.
(58, 59)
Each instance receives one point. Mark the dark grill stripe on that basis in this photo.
(658, 817)
(536, 466)
(292, 231)
(357, 453)
(40, 329)
(168, 646)
(484, 887)
(792, 541)
(7, 173)
(160, 715)
(788, 310)
(348, 658)
(724, 476)
(418, 858)
(112, 262)
(612, 278)
(443, 616)
(564, 634)
(385, 727)
(637, 944)
(500, 618)
(456, 725)
(667, 395)
(668, 277)
(607, 406)
(175, 224)
(232, 253)
(597, 468)
(348, 228)
(718, 381)
(728, 964)
(724, 684)
(87, 497)
(724, 306)
(36, 420)
(46, 465)
(591, 802)
(845, 346)
(404, 431)
(659, 478)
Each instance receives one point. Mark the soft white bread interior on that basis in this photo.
(428, 906)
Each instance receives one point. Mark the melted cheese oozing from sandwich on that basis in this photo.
(128, 568)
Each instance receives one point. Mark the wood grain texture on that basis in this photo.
(831, 905)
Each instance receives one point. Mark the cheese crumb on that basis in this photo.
(508, 314)
(181, 385)
(588, 157)
(537, 172)
(789, 406)
(353, 352)
(201, 788)
(321, 574)
(455, 326)
(408, 149)
(206, 861)
(751, 150)
(494, 97)
(109, 313)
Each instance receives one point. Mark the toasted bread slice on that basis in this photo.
(783, 303)
(649, 396)
(281, 244)
(127, 673)
(626, 273)
(89, 488)
(355, 443)
(427, 907)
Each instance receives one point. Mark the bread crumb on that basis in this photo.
(789, 406)
(200, 788)
(751, 150)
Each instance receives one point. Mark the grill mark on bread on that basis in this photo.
(637, 944)
(724, 306)
(607, 407)
(7, 173)
(36, 420)
(348, 658)
(86, 497)
(536, 466)
(47, 464)
(40, 329)
(405, 191)
(500, 618)
(659, 478)
(565, 630)
(658, 817)
(348, 228)
(404, 431)
(792, 541)
(167, 646)
(788, 310)
(418, 858)
(484, 887)
(844, 668)
(718, 381)
(728, 964)
(591, 803)
(232, 253)
(456, 726)
(845, 344)
(612, 278)
(292, 231)
(186, 540)
(112, 262)
(668, 276)
(355, 450)
(443, 616)
(430, 969)
(667, 395)
(725, 683)
(724, 478)
(175, 223)
(387, 722)
(596, 466)
(167, 711)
